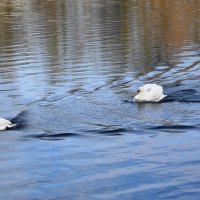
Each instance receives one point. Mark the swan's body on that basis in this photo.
(4, 124)
(149, 93)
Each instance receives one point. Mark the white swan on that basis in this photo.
(149, 93)
(4, 124)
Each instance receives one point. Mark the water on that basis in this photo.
(66, 68)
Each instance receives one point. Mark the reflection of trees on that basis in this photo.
(177, 19)
(7, 37)
(161, 26)
(67, 37)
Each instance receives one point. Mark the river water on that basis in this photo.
(67, 69)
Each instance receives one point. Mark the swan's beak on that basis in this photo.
(135, 98)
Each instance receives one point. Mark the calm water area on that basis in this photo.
(67, 68)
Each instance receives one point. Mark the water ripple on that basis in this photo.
(65, 68)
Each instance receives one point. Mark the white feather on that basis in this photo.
(149, 93)
(4, 123)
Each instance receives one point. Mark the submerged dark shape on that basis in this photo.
(20, 120)
(184, 95)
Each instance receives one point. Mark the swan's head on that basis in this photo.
(141, 94)
(149, 93)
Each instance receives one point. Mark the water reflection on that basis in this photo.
(110, 38)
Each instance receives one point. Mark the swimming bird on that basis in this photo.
(4, 124)
(149, 93)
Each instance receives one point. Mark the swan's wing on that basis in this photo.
(2, 128)
(156, 93)
(11, 125)
(4, 122)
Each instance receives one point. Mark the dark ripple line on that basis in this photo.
(110, 132)
(54, 136)
(176, 127)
